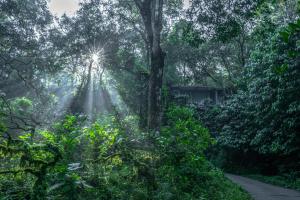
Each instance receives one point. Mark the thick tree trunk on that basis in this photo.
(151, 12)
(155, 89)
(143, 91)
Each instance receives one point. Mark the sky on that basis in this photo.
(59, 7)
(186, 3)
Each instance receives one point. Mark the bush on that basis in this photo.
(184, 172)
(100, 161)
(261, 121)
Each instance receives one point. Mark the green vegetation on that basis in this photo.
(261, 121)
(99, 161)
(148, 99)
(283, 181)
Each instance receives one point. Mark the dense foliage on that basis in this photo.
(88, 111)
(261, 121)
(269, 104)
(100, 161)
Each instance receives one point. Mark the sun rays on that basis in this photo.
(89, 90)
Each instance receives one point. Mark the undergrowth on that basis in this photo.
(112, 159)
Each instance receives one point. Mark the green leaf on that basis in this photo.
(285, 36)
(25, 136)
(292, 54)
(281, 69)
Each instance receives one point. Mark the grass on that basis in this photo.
(235, 192)
(282, 181)
(218, 187)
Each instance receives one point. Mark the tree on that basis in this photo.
(262, 120)
(25, 51)
(151, 12)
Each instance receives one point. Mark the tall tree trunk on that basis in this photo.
(151, 12)
(143, 91)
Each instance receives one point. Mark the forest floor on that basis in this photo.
(262, 191)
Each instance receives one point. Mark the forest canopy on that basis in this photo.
(147, 99)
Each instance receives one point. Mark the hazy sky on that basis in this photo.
(59, 7)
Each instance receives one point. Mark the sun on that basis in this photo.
(95, 57)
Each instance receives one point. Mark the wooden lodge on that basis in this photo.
(200, 96)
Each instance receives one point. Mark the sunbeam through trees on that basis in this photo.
(148, 99)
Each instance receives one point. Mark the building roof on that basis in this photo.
(194, 88)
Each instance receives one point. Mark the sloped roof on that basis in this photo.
(194, 88)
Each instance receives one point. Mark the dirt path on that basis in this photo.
(263, 191)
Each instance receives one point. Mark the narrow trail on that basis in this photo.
(263, 191)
